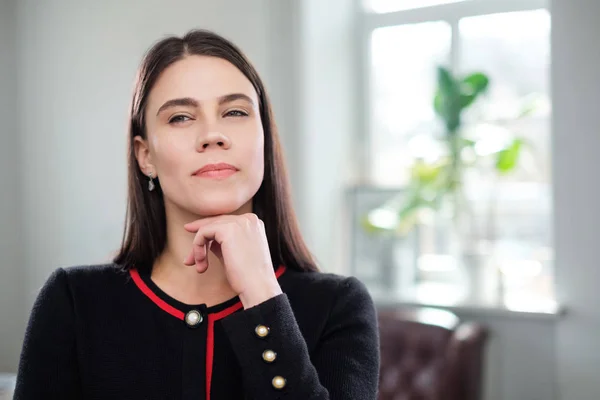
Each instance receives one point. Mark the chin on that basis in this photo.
(217, 209)
(220, 205)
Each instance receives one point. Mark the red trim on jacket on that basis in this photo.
(280, 271)
(157, 300)
(210, 341)
(212, 317)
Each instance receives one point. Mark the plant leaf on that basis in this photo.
(408, 216)
(467, 99)
(471, 87)
(477, 82)
(425, 173)
(447, 99)
(446, 82)
(468, 142)
(508, 158)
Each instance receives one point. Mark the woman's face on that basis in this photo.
(205, 138)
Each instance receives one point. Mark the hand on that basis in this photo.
(241, 244)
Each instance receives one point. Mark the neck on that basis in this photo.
(183, 282)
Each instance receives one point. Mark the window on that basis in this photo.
(405, 42)
(386, 6)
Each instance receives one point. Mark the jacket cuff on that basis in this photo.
(270, 349)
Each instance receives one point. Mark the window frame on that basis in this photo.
(452, 13)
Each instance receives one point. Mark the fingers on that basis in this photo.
(195, 225)
(189, 260)
(198, 255)
(219, 219)
(214, 229)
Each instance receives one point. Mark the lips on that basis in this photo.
(219, 170)
(215, 167)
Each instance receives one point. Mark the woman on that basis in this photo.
(213, 294)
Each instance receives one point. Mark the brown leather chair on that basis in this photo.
(428, 354)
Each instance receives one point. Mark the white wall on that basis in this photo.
(520, 358)
(576, 159)
(327, 128)
(11, 262)
(282, 79)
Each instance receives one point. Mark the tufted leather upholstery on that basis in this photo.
(427, 354)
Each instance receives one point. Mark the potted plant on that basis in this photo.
(438, 186)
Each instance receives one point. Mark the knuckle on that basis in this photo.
(253, 218)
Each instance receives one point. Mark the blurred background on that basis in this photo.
(443, 151)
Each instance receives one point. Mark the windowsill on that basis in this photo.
(545, 310)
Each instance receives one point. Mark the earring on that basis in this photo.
(150, 183)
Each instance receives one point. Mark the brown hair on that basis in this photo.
(145, 231)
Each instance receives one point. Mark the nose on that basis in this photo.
(213, 139)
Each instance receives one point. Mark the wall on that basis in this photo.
(576, 143)
(282, 74)
(520, 356)
(11, 262)
(327, 128)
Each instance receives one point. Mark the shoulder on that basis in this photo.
(82, 273)
(322, 282)
(327, 291)
(65, 287)
(85, 279)
(328, 306)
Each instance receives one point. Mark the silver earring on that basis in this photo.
(150, 183)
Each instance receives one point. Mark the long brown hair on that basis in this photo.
(145, 231)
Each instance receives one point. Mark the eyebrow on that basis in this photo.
(228, 98)
(190, 102)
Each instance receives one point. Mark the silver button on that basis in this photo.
(269, 356)
(278, 382)
(193, 318)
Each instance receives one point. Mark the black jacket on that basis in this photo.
(99, 332)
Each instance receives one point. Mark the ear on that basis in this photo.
(142, 155)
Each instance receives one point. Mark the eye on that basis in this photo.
(178, 119)
(236, 113)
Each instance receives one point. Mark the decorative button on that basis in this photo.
(261, 331)
(269, 356)
(278, 382)
(193, 318)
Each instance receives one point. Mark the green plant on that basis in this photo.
(432, 183)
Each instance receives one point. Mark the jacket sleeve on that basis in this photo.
(48, 365)
(344, 365)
